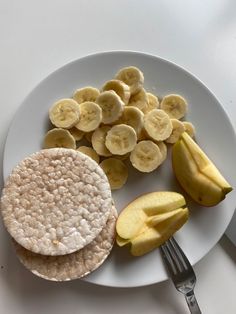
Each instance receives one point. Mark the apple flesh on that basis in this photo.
(197, 174)
(154, 237)
(150, 220)
(145, 206)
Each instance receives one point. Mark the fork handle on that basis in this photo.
(192, 303)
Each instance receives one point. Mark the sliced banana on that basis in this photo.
(139, 100)
(87, 93)
(90, 116)
(153, 102)
(163, 149)
(146, 156)
(121, 157)
(98, 141)
(132, 116)
(111, 105)
(157, 124)
(143, 135)
(59, 138)
(88, 136)
(121, 139)
(64, 113)
(89, 151)
(189, 128)
(133, 77)
(175, 106)
(77, 134)
(120, 88)
(177, 130)
(116, 172)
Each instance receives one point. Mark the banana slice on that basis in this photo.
(64, 113)
(177, 130)
(132, 116)
(98, 141)
(116, 172)
(121, 157)
(189, 128)
(133, 77)
(77, 134)
(143, 135)
(59, 138)
(121, 139)
(89, 152)
(153, 102)
(111, 105)
(175, 106)
(88, 136)
(90, 116)
(86, 94)
(120, 88)
(139, 100)
(146, 156)
(157, 124)
(163, 149)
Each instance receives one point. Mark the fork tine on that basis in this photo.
(180, 254)
(175, 255)
(169, 260)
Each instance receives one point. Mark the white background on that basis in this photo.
(37, 37)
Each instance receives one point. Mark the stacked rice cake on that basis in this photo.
(58, 208)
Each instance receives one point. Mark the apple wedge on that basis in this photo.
(197, 174)
(150, 220)
(134, 216)
(120, 241)
(154, 237)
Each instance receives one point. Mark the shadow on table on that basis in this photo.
(228, 247)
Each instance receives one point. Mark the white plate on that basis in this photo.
(214, 133)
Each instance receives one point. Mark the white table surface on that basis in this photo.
(37, 37)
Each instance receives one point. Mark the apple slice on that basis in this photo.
(150, 220)
(132, 220)
(120, 241)
(154, 237)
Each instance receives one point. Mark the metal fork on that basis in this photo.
(181, 272)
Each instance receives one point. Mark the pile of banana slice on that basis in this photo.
(121, 122)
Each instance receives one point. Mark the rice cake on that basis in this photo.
(74, 265)
(56, 201)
